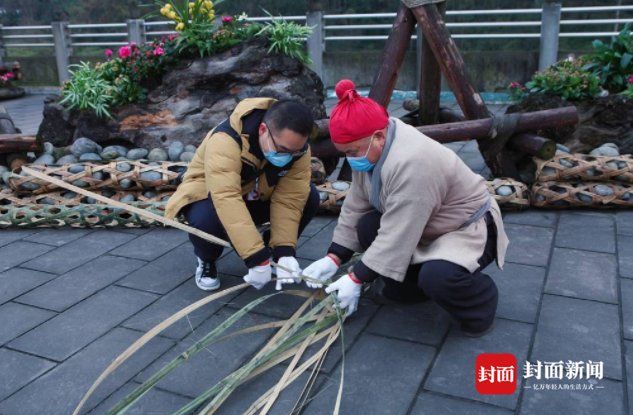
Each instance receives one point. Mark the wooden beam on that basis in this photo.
(393, 56)
(533, 145)
(13, 143)
(430, 80)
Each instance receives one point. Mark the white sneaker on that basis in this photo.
(207, 276)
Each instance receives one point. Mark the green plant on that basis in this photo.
(517, 91)
(567, 79)
(613, 62)
(87, 89)
(628, 92)
(287, 38)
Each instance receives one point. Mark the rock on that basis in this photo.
(584, 198)
(45, 159)
(150, 176)
(153, 163)
(504, 191)
(107, 192)
(69, 195)
(6, 176)
(566, 163)
(98, 175)
(3, 170)
(562, 148)
(126, 183)
(626, 196)
(84, 145)
(323, 196)
(610, 150)
(190, 148)
(56, 126)
(137, 153)
(91, 200)
(79, 183)
(30, 186)
(78, 168)
(165, 198)
(90, 157)
(612, 165)
(123, 167)
(48, 148)
(340, 186)
(193, 98)
(157, 154)
(46, 201)
(113, 152)
(128, 199)
(122, 158)
(603, 190)
(69, 159)
(175, 150)
(186, 156)
(591, 171)
(548, 171)
(622, 164)
(150, 194)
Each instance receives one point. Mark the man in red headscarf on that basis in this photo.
(426, 223)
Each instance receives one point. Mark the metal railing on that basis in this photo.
(548, 23)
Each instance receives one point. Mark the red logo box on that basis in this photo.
(496, 374)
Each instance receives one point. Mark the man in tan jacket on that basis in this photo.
(425, 222)
(252, 168)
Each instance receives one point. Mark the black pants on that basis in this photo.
(470, 298)
(202, 215)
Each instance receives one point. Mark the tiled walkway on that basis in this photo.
(71, 300)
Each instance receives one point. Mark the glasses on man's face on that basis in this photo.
(283, 150)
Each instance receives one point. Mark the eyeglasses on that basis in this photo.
(283, 150)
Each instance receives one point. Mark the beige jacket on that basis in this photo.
(427, 194)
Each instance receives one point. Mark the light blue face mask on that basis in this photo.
(277, 159)
(361, 163)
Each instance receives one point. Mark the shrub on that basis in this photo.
(567, 79)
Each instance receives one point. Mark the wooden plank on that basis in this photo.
(393, 56)
(13, 143)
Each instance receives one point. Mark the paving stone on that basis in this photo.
(529, 245)
(626, 288)
(57, 237)
(280, 306)
(232, 264)
(136, 231)
(624, 222)
(628, 354)
(317, 246)
(188, 293)
(453, 370)
(372, 386)
(247, 394)
(70, 331)
(165, 273)
(423, 323)
(19, 280)
(18, 252)
(520, 288)
(59, 391)
(18, 369)
(316, 224)
(545, 218)
(152, 245)
(78, 252)
(579, 330)
(210, 365)
(590, 232)
(625, 256)
(80, 283)
(473, 159)
(433, 404)
(609, 400)
(154, 402)
(11, 235)
(16, 319)
(582, 274)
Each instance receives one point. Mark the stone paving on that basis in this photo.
(71, 300)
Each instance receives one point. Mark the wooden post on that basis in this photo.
(316, 41)
(430, 85)
(393, 56)
(63, 50)
(2, 50)
(450, 60)
(136, 31)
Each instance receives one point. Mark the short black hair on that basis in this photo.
(290, 114)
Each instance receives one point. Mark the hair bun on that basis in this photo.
(343, 87)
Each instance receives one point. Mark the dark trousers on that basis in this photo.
(470, 298)
(202, 215)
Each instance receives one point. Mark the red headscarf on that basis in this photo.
(355, 117)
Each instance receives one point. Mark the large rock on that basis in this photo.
(602, 120)
(192, 99)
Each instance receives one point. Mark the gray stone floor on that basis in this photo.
(71, 300)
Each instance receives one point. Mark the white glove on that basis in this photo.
(347, 292)
(285, 277)
(259, 275)
(321, 270)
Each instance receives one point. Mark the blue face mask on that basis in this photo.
(277, 159)
(361, 163)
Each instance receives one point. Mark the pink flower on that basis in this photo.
(9, 75)
(108, 53)
(148, 54)
(125, 52)
(630, 79)
(227, 19)
(132, 44)
(159, 51)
